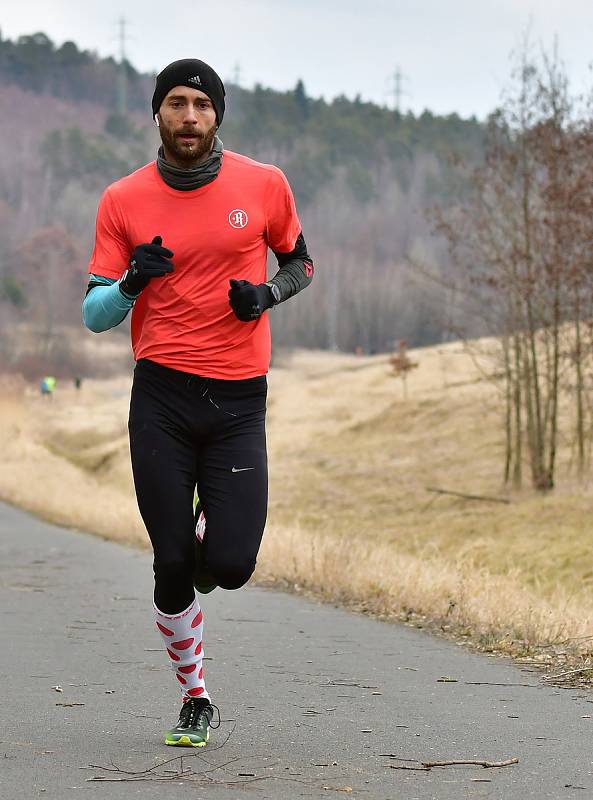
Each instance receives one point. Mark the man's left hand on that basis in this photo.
(249, 300)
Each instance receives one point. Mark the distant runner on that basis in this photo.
(184, 241)
(47, 386)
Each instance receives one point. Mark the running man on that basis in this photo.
(183, 242)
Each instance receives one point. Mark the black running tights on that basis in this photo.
(188, 431)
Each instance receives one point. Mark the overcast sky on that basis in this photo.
(453, 54)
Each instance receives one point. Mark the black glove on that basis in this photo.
(148, 261)
(249, 300)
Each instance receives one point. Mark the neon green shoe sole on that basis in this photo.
(185, 740)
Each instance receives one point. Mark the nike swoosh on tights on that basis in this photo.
(243, 469)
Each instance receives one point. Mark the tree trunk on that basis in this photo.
(518, 469)
(508, 417)
(579, 387)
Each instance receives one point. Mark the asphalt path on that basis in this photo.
(315, 701)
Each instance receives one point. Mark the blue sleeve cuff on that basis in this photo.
(105, 306)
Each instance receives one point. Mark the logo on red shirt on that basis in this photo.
(238, 218)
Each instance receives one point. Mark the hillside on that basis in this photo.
(363, 177)
(352, 516)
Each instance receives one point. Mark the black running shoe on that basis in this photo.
(203, 582)
(195, 720)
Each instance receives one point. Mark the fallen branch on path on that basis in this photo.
(406, 766)
(426, 766)
(476, 762)
(179, 769)
(491, 683)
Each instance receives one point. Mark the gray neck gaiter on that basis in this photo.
(193, 178)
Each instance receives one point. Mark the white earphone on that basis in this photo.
(156, 120)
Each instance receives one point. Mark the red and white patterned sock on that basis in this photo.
(182, 635)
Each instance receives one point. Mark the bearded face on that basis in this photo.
(186, 147)
(187, 125)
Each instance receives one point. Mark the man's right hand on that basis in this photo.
(148, 261)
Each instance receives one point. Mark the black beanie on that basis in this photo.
(193, 73)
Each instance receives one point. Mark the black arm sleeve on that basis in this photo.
(295, 272)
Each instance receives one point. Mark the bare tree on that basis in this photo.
(519, 241)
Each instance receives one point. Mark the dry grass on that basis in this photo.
(351, 519)
(66, 459)
(463, 600)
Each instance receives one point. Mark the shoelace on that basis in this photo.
(192, 711)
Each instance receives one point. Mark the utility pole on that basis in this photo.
(122, 80)
(237, 74)
(397, 89)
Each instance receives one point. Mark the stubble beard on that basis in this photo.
(185, 154)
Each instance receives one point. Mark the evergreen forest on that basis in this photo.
(365, 179)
